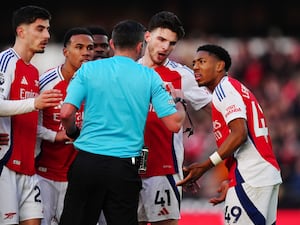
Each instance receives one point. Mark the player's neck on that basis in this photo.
(24, 53)
(67, 72)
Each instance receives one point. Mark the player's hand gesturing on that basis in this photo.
(48, 98)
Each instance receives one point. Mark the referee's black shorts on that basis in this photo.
(98, 182)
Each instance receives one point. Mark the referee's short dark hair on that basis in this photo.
(127, 34)
(219, 52)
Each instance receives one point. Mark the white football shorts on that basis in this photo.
(20, 197)
(246, 205)
(159, 199)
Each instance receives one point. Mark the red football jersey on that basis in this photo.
(24, 126)
(166, 151)
(54, 159)
(254, 160)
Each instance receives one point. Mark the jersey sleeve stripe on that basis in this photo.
(5, 60)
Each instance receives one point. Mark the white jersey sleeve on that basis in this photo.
(45, 133)
(12, 107)
(197, 96)
(232, 105)
(15, 107)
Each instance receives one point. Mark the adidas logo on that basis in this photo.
(163, 211)
(24, 81)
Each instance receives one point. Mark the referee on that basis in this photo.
(116, 93)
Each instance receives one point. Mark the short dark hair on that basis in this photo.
(169, 20)
(219, 52)
(74, 31)
(97, 30)
(29, 14)
(127, 34)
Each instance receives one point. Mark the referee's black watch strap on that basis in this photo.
(181, 100)
(74, 134)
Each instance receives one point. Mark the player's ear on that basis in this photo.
(111, 43)
(139, 49)
(147, 36)
(140, 46)
(65, 50)
(20, 31)
(220, 65)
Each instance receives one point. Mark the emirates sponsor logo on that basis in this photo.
(24, 94)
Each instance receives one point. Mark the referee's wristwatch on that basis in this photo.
(75, 134)
(181, 100)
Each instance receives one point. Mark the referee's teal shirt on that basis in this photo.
(116, 93)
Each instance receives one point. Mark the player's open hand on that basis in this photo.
(192, 174)
(222, 190)
(174, 92)
(62, 136)
(48, 98)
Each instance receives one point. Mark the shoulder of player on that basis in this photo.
(50, 78)
(227, 86)
(7, 53)
(8, 57)
(180, 68)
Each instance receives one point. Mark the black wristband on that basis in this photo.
(75, 134)
(181, 100)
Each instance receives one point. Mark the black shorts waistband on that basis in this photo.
(133, 160)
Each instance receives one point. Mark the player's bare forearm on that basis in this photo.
(67, 115)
